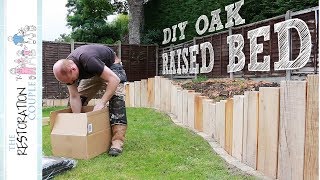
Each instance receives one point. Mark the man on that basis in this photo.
(96, 66)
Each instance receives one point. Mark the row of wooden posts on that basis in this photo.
(273, 130)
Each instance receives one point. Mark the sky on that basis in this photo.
(54, 22)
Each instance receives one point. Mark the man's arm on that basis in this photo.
(113, 81)
(75, 101)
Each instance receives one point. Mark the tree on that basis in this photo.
(121, 6)
(121, 25)
(136, 20)
(64, 38)
(88, 20)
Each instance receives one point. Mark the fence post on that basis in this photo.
(171, 49)
(157, 58)
(288, 72)
(194, 43)
(316, 13)
(231, 73)
(72, 45)
(119, 49)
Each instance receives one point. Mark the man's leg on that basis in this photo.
(118, 118)
(117, 110)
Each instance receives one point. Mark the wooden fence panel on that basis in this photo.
(229, 125)
(157, 92)
(127, 97)
(219, 116)
(185, 94)
(179, 105)
(269, 107)
(208, 114)
(139, 61)
(198, 113)
(250, 128)
(292, 129)
(131, 94)
(191, 108)
(219, 122)
(212, 118)
(150, 92)
(311, 156)
(168, 95)
(165, 95)
(172, 99)
(144, 92)
(137, 94)
(237, 126)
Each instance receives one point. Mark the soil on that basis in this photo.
(221, 89)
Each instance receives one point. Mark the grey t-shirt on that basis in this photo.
(91, 59)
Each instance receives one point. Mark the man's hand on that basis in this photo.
(99, 106)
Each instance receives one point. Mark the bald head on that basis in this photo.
(60, 69)
(65, 70)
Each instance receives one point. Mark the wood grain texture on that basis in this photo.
(173, 106)
(237, 126)
(229, 125)
(250, 128)
(311, 150)
(131, 93)
(185, 107)
(191, 108)
(127, 95)
(157, 92)
(198, 113)
(150, 92)
(163, 94)
(292, 129)
(219, 116)
(179, 105)
(208, 113)
(137, 93)
(220, 124)
(269, 115)
(144, 92)
(167, 95)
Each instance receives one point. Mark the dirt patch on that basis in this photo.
(220, 89)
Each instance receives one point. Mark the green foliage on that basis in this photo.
(151, 36)
(121, 24)
(155, 148)
(121, 6)
(200, 78)
(64, 38)
(88, 20)
(161, 14)
(88, 14)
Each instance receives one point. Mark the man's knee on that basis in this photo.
(117, 110)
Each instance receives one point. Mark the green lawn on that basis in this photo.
(155, 148)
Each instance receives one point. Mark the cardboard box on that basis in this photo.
(80, 135)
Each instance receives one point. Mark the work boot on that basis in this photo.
(118, 136)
